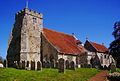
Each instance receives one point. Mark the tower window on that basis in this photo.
(34, 20)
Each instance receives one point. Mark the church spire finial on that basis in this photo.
(26, 3)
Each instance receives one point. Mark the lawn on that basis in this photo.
(81, 74)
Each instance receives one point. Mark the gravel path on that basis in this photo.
(101, 76)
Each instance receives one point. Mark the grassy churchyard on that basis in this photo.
(81, 74)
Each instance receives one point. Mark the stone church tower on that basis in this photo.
(25, 40)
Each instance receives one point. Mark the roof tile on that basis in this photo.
(65, 43)
(99, 47)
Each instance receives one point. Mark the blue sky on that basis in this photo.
(86, 18)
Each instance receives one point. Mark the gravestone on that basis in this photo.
(61, 65)
(67, 64)
(16, 65)
(32, 65)
(48, 64)
(56, 65)
(5, 62)
(23, 64)
(112, 67)
(89, 66)
(44, 64)
(27, 65)
(20, 65)
(53, 64)
(72, 65)
(39, 66)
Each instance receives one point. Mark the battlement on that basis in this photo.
(29, 12)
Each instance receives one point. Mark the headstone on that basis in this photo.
(56, 65)
(72, 65)
(44, 63)
(48, 64)
(61, 65)
(27, 65)
(32, 65)
(67, 64)
(23, 64)
(16, 65)
(53, 64)
(39, 66)
(20, 65)
(89, 66)
(5, 63)
(112, 67)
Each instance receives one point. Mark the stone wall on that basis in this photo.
(70, 58)
(105, 59)
(82, 60)
(48, 53)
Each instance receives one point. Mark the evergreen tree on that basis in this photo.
(115, 45)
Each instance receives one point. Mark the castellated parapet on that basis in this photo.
(25, 41)
(29, 12)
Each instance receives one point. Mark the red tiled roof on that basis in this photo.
(99, 47)
(64, 43)
(78, 42)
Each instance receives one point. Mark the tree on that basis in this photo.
(115, 45)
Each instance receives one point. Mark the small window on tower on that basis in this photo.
(34, 20)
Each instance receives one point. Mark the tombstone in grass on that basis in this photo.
(27, 67)
(5, 63)
(53, 64)
(16, 64)
(61, 65)
(56, 65)
(48, 64)
(23, 64)
(72, 65)
(67, 64)
(112, 67)
(20, 65)
(44, 64)
(89, 66)
(32, 65)
(39, 65)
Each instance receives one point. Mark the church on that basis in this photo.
(31, 46)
